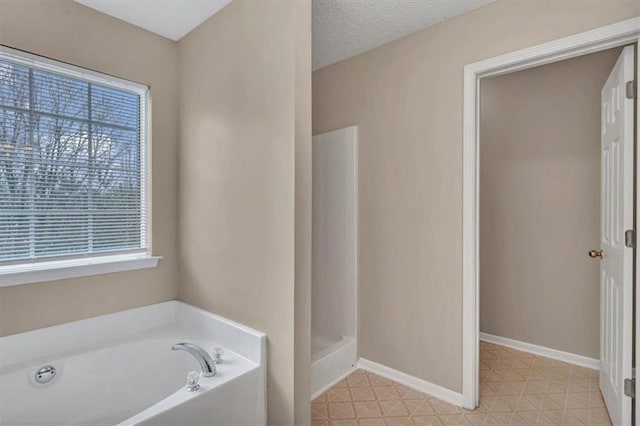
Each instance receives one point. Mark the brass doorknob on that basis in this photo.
(595, 253)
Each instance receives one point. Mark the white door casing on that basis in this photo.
(613, 35)
(637, 264)
(616, 266)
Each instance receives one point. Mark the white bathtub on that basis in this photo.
(330, 362)
(120, 369)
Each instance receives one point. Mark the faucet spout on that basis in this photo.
(207, 364)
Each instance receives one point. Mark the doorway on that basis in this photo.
(540, 161)
(621, 34)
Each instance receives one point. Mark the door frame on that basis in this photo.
(610, 36)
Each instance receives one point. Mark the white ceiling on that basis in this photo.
(345, 28)
(172, 19)
(341, 28)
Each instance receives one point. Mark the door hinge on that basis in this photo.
(630, 388)
(631, 88)
(630, 238)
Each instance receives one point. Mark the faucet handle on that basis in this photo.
(192, 381)
(217, 358)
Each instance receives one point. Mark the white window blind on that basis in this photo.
(73, 155)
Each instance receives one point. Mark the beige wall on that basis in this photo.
(303, 191)
(540, 203)
(69, 32)
(244, 171)
(406, 98)
(245, 155)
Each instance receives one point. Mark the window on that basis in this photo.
(73, 164)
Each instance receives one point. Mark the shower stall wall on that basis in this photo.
(334, 257)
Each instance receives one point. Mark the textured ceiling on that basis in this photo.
(172, 19)
(344, 28)
(341, 28)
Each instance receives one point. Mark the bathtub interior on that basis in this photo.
(319, 343)
(120, 368)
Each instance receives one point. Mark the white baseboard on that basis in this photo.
(580, 360)
(331, 384)
(420, 385)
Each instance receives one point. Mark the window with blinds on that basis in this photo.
(73, 175)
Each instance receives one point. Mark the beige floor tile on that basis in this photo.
(499, 419)
(486, 404)
(554, 401)
(474, 418)
(344, 423)
(319, 411)
(399, 421)
(516, 388)
(379, 381)
(362, 394)
(595, 400)
(426, 420)
(580, 385)
(500, 406)
(341, 410)
(530, 402)
(393, 408)
(408, 393)
(372, 422)
(356, 380)
(452, 419)
(518, 374)
(511, 400)
(534, 387)
(525, 417)
(419, 407)
(338, 394)
(577, 400)
(321, 398)
(367, 409)
(551, 417)
(557, 385)
(512, 388)
(598, 416)
(577, 416)
(386, 392)
(442, 408)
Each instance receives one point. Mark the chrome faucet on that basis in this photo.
(207, 363)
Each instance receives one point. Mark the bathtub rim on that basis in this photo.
(102, 330)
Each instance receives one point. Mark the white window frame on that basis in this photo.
(79, 265)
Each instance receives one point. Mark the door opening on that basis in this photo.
(620, 210)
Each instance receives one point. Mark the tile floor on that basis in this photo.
(516, 388)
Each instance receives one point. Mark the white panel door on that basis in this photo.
(617, 216)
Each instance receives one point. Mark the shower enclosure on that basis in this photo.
(334, 259)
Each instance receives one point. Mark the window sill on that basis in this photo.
(62, 269)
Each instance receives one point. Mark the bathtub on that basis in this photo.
(330, 362)
(119, 369)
